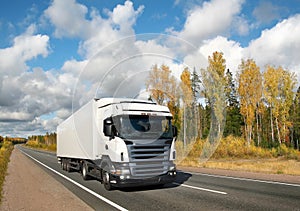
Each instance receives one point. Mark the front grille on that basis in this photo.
(149, 159)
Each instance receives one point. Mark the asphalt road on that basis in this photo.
(191, 191)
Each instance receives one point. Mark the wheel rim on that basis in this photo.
(106, 178)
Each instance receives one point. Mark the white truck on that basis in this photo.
(120, 142)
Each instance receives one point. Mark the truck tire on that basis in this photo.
(84, 171)
(106, 180)
(68, 166)
(64, 164)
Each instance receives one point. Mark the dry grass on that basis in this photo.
(271, 166)
(233, 154)
(5, 152)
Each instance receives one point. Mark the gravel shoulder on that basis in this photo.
(28, 187)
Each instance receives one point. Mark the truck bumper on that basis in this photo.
(118, 181)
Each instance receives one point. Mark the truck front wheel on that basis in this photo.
(106, 180)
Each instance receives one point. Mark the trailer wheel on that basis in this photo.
(106, 180)
(84, 171)
(64, 164)
(68, 166)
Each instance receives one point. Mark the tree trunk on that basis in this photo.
(278, 132)
(257, 130)
(272, 126)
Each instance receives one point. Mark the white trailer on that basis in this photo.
(121, 142)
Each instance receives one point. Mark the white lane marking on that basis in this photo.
(198, 188)
(246, 179)
(78, 184)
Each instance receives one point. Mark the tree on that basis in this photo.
(295, 117)
(160, 84)
(278, 91)
(231, 92)
(186, 87)
(271, 79)
(214, 83)
(189, 117)
(286, 101)
(195, 85)
(233, 115)
(163, 88)
(250, 92)
(196, 92)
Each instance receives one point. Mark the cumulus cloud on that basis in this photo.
(68, 17)
(26, 93)
(279, 45)
(211, 19)
(124, 15)
(13, 64)
(70, 20)
(25, 47)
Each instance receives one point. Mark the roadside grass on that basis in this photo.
(271, 166)
(37, 145)
(233, 154)
(5, 152)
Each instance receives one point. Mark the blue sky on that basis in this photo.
(56, 55)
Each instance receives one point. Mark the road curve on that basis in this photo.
(191, 191)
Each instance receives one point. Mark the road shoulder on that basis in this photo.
(28, 187)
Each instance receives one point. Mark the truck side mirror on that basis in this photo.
(107, 130)
(174, 130)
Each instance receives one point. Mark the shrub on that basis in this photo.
(5, 153)
(51, 147)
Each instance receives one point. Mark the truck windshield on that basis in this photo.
(143, 127)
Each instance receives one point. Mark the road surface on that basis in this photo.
(191, 191)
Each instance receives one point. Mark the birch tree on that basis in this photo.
(161, 84)
(214, 82)
(250, 92)
(278, 92)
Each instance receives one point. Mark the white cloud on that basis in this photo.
(74, 66)
(211, 19)
(68, 17)
(125, 16)
(279, 45)
(25, 47)
(232, 51)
